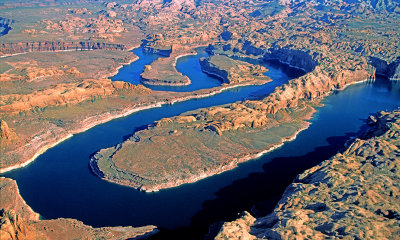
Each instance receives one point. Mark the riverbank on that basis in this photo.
(95, 169)
(19, 221)
(93, 121)
(163, 72)
(276, 111)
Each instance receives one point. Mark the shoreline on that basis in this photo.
(216, 75)
(96, 170)
(130, 111)
(125, 113)
(176, 183)
(149, 82)
(134, 59)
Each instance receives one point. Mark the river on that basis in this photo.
(59, 183)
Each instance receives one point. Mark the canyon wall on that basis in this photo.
(211, 69)
(23, 47)
(39, 3)
(389, 70)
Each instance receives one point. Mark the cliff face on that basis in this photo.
(18, 221)
(23, 47)
(391, 70)
(394, 70)
(293, 57)
(209, 68)
(355, 194)
(70, 93)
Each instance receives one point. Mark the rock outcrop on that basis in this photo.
(238, 229)
(18, 221)
(354, 195)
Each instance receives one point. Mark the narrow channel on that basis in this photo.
(60, 184)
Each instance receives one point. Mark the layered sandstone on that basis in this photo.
(63, 94)
(352, 195)
(23, 47)
(19, 221)
(30, 73)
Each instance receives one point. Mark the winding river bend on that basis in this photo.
(60, 184)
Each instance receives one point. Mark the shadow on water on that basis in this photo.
(259, 191)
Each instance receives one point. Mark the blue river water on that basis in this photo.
(187, 65)
(60, 184)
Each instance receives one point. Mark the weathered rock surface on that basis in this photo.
(238, 229)
(18, 221)
(38, 3)
(353, 195)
